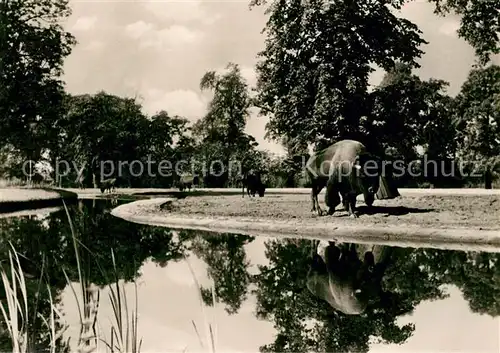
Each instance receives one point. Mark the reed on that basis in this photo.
(16, 313)
(209, 331)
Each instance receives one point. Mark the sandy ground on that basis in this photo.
(455, 223)
(87, 193)
(25, 194)
(436, 211)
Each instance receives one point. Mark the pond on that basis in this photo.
(200, 291)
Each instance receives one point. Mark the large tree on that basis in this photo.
(220, 132)
(103, 130)
(479, 24)
(314, 71)
(33, 47)
(408, 112)
(478, 118)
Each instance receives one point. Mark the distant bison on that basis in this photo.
(253, 182)
(37, 178)
(107, 184)
(188, 181)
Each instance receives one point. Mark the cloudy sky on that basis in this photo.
(159, 50)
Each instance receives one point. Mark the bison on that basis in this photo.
(188, 181)
(253, 182)
(107, 184)
(347, 169)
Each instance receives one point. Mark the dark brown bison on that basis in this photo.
(347, 169)
(252, 181)
(107, 184)
(188, 181)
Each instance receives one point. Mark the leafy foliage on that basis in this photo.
(479, 24)
(313, 76)
(33, 47)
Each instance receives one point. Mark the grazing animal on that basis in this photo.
(253, 182)
(37, 178)
(188, 181)
(107, 184)
(344, 279)
(347, 170)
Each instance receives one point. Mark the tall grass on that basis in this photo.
(124, 328)
(16, 313)
(124, 333)
(209, 332)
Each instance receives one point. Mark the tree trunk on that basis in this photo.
(488, 179)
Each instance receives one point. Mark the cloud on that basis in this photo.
(169, 38)
(181, 11)
(138, 29)
(249, 74)
(177, 35)
(186, 103)
(84, 23)
(450, 27)
(94, 45)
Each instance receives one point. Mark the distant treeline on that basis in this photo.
(314, 88)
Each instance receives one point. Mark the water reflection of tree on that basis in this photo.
(306, 323)
(303, 321)
(476, 274)
(99, 232)
(227, 264)
(49, 241)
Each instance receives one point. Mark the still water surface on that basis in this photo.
(271, 295)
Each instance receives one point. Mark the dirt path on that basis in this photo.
(22, 199)
(27, 194)
(442, 222)
(428, 211)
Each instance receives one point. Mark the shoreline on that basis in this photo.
(464, 239)
(90, 193)
(13, 200)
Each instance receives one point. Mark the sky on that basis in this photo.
(158, 51)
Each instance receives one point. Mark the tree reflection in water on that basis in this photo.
(305, 290)
(404, 278)
(49, 241)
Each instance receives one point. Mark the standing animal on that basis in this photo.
(344, 279)
(347, 170)
(107, 184)
(188, 181)
(253, 182)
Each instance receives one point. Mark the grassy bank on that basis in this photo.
(17, 199)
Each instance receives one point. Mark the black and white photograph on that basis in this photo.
(250, 176)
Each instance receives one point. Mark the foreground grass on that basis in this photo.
(123, 338)
(123, 334)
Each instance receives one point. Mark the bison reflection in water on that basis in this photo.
(347, 276)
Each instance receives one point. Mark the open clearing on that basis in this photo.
(446, 222)
(428, 211)
(31, 194)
